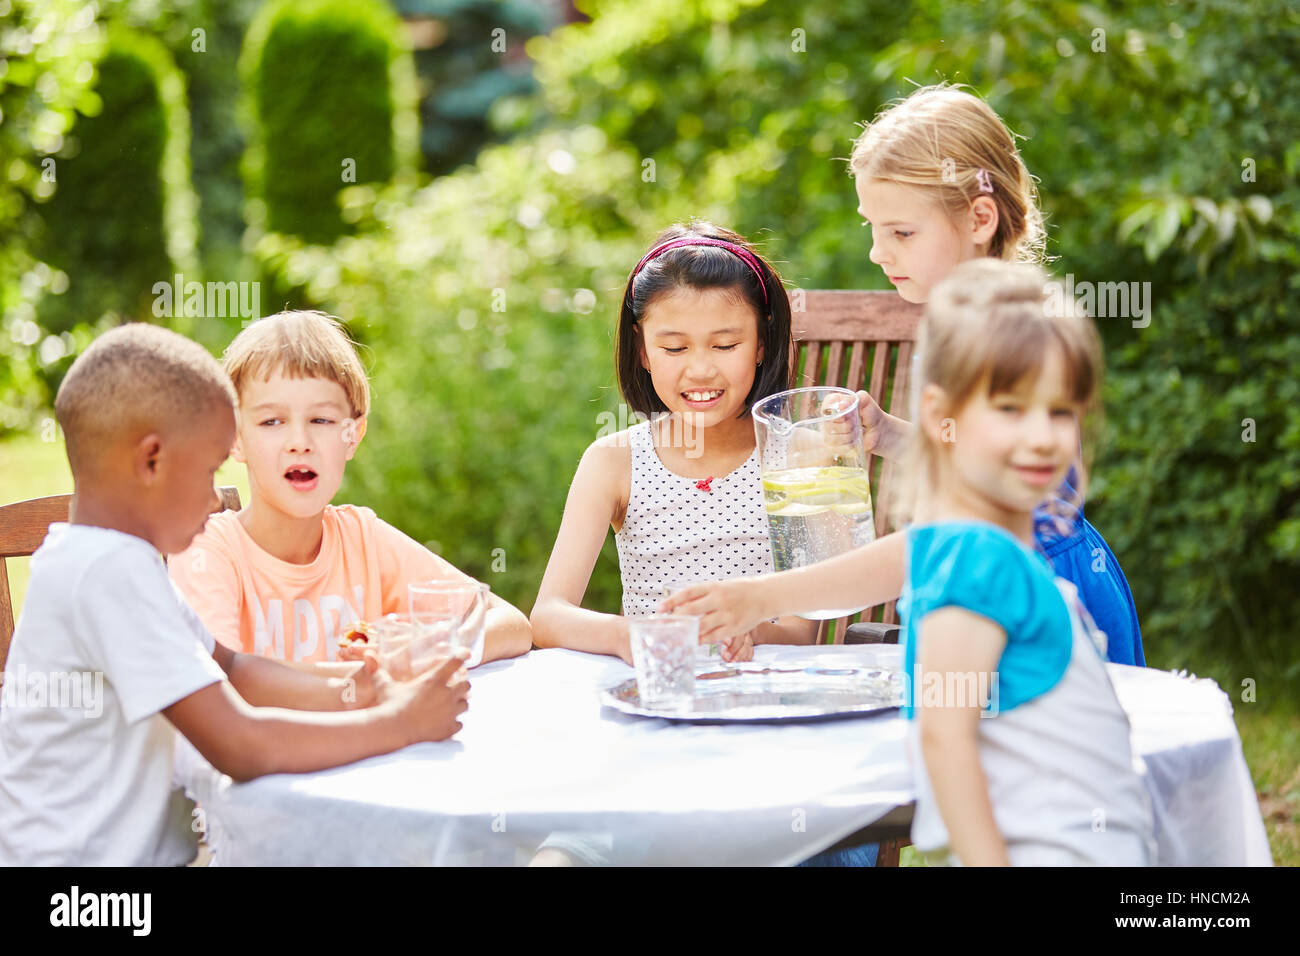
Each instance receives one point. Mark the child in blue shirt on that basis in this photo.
(989, 632)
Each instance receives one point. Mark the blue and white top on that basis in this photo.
(1055, 747)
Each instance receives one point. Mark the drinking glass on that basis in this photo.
(405, 647)
(663, 652)
(453, 613)
(710, 653)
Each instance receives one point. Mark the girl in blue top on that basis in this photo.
(940, 181)
(989, 630)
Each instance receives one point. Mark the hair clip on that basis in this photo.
(983, 176)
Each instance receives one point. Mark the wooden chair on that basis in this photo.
(860, 340)
(23, 526)
(863, 340)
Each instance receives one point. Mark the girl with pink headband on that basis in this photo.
(704, 332)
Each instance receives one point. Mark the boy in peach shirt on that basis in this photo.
(285, 576)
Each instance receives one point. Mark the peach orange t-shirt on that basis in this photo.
(253, 602)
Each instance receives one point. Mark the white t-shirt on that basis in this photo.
(105, 642)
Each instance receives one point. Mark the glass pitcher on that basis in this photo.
(816, 487)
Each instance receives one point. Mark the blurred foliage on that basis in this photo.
(471, 55)
(1166, 138)
(1136, 118)
(56, 106)
(123, 215)
(330, 101)
(48, 52)
(205, 37)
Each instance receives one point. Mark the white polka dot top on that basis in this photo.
(676, 531)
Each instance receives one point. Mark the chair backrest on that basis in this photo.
(859, 340)
(23, 526)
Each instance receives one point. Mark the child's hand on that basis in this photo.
(838, 430)
(873, 419)
(433, 700)
(360, 687)
(740, 649)
(353, 652)
(625, 647)
(726, 609)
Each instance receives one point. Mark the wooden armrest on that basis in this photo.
(871, 632)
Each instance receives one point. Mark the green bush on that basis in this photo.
(204, 38)
(330, 101)
(122, 217)
(96, 204)
(40, 94)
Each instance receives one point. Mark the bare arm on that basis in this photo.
(787, 630)
(321, 668)
(865, 577)
(507, 632)
(263, 682)
(247, 742)
(558, 618)
(953, 641)
(882, 434)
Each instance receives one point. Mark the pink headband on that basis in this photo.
(744, 255)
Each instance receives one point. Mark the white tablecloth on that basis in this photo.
(539, 754)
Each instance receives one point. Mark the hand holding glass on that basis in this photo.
(707, 653)
(405, 648)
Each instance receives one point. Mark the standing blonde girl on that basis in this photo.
(939, 182)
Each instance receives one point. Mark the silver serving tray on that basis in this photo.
(763, 693)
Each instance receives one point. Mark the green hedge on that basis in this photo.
(40, 95)
(122, 216)
(330, 99)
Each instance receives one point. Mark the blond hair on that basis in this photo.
(134, 379)
(299, 344)
(951, 144)
(988, 325)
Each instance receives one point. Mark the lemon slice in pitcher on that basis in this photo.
(795, 509)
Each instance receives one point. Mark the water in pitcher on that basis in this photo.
(818, 513)
(815, 485)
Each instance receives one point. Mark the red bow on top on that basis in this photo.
(703, 484)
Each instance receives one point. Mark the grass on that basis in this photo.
(1271, 741)
(30, 467)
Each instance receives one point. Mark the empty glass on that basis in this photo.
(405, 647)
(663, 652)
(453, 612)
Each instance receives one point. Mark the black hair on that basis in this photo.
(704, 267)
